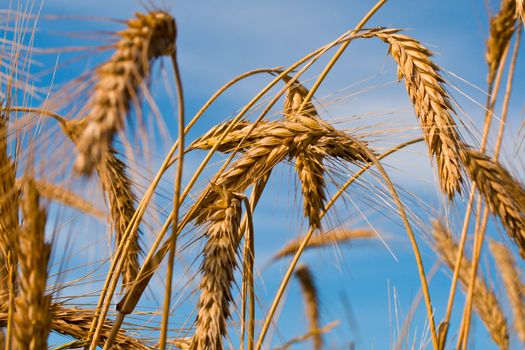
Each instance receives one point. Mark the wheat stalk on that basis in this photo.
(32, 315)
(310, 295)
(147, 37)
(485, 302)
(322, 240)
(502, 26)
(511, 279)
(503, 194)
(217, 271)
(424, 85)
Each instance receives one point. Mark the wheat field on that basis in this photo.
(200, 176)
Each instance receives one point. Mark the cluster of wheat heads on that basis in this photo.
(208, 219)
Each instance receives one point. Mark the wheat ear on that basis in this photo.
(424, 85)
(117, 187)
(503, 194)
(32, 317)
(147, 37)
(310, 295)
(485, 302)
(502, 26)
(511, 279)
(217, 271)
(322, 240)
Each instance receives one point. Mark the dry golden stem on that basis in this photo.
(217, 271)
(147, 37)
(484, 300)
(310, 295)
(322, 240)
(513, 285)
(32, 315)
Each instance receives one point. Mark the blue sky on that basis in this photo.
(219, 40)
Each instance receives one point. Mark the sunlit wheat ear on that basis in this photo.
(425, 88)
(217, 270)
(280, 141)
(32, 317)
(512, 281)
(118, 190)
(503, 194)
(325, 239)
(76, 322)
(118, 81)
(502, 26)
(310, 295)
(485, 302)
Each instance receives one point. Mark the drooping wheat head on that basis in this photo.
(32, 315)
(513, 285)
(118, 81)
(502, 26)
(424, 85)
(504, 195)
(310, 295)
(117, 187)
(485, 302)
(217, 271)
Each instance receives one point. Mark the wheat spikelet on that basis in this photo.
(304, 275)
(503, 194)
(117, 187)
(485, 302)
(217, 271)
(32, 315)
(502, 26)
(511, 279)
(118, 81)
(322, 240)
(424, 85)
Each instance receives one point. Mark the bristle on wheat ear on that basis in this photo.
(118, 82)
(485, 302)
